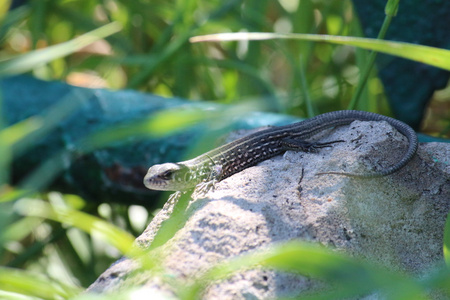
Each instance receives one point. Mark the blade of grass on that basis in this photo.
(310, 109)
(171, 226)
(157, 59)
(353, 277)
(5, 152)
(425, 54)
(37, 20)
(447, 241)
(29, 284)
(34, 250)
(26, 62)
(438, 280)
(18, 138)
(166, 122)
(163, 123)
(12, 18)
(113, 235)
(4, 6)
(22, 135)
(19, 229)
(83, 21)
(391, 11)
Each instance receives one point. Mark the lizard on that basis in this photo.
(233, 157)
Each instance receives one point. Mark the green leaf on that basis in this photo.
(429, 55)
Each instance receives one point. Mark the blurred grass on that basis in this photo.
(26, 62)
(152, 52)
(68, 241)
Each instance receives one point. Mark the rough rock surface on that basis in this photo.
(396, 220)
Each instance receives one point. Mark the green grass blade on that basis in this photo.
(425, 54)
(26, 62)
(113, 235)
(10, 19)
(4, 6)
(391, 11)
(391, 8)
(20, 137)
(447, 241)
(5, 150)
(28, 284)
(19, 229)
(163, 123)
(353, 277)
(24, 134)
(155, 60)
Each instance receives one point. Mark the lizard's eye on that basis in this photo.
(166, 175)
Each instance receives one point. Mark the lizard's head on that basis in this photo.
(168, 177)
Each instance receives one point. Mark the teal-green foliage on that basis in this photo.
(53, 245)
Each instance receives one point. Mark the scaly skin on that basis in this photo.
(245, 152)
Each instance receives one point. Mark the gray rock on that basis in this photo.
(396, 220)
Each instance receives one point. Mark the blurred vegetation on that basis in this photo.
(54, 245)
(152, 52)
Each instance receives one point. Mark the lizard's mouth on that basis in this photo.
(152, 184)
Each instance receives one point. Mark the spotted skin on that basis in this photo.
(245, 152)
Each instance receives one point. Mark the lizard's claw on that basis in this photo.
(204, 187)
